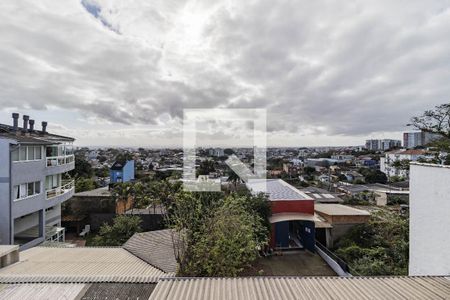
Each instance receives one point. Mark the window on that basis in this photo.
(37, 187)
(15, 155)
(37, 152)
(22, 153)
(52, 182)
(27, 153)
(25, 190)
(30, 152)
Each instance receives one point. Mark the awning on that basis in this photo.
(281, 217)
(318, 221)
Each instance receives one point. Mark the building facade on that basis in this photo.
(418, 139)
(382, 145)
(33, 183)
(293, 220)
(389, 166)
(429, 211)
(122, 171)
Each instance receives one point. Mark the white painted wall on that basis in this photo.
(429, 220)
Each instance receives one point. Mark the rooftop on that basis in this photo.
(299, 288)
(154, 247)
(339, 210)
(32, 137)
(100, 192)
(79, 265)
(276, 189)
(76, 291)
(321, 195)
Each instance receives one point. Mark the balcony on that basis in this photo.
(55, 161)
(59, 164)
(66, 187)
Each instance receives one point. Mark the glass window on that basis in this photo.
(37, 187)
(15, 155)
(16, 192)
(37, 152)
(30, 151)
(30, 189)
(23, 190)
(22, 153)
(51, 151)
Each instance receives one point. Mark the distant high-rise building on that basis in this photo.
(382, 145)
(416, 139)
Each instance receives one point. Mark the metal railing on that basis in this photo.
(54, 161)
(333, 256)
(64, 188)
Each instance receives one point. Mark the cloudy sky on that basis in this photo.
(112, 72)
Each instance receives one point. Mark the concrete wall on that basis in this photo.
(429, 220)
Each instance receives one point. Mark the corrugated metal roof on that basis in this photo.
(41, 291)
(79, 265)
(154, 247)
(299, 288)
(127, 291)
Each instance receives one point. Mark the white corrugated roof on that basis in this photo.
(41, 291)
(79, 265)
(299, 288)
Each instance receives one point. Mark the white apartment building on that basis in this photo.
(33, 183)
(382, 145)
(387, 163)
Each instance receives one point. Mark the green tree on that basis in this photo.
(220, 236)
(225, 244)
(119, 232)
(82, 168)
(84, 184)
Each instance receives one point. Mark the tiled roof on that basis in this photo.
(277, 189)
(299, 288)
(79, 265)
(154, 247)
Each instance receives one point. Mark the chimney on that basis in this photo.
(44, 127)
(31, 125)
(25, 123)
(15, 117)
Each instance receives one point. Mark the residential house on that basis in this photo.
(388, 163)
(122, 171)
(292, 214)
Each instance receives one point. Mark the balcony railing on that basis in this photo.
(60, 160)
(65, 188)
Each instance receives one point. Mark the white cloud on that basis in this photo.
(338, 70)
